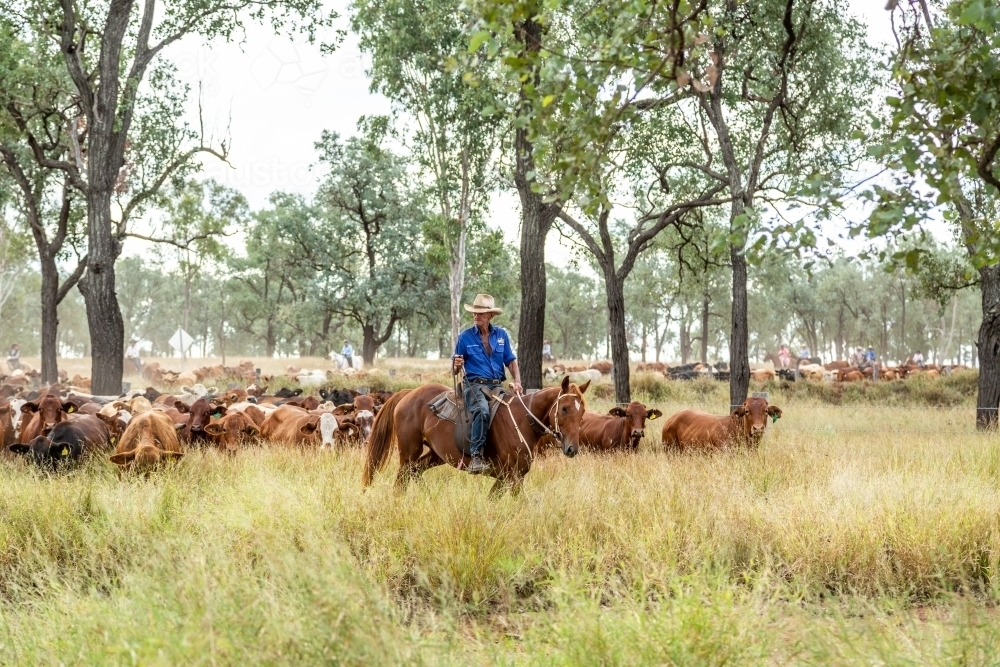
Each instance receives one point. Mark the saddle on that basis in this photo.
(445, 406)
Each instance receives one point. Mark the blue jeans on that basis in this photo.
(477, 404)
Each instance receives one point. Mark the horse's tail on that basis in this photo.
(380, 440)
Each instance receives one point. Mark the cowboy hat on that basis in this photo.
(483, 303)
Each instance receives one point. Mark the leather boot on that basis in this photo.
(478, 465)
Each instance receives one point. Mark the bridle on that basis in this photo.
(553, 432)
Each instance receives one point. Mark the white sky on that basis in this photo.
(276, 97)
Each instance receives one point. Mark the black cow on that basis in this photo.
(336, 396)
(66, 442)
(285, 392)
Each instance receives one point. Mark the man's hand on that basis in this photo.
(516, 386)
(457, 362)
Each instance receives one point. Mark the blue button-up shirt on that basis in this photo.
(477, 364)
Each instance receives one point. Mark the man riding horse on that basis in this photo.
(483, 350)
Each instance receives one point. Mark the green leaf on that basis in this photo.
(478, 39)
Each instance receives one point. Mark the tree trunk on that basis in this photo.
(535, 224)
(739, 361)
(536, 220)
(704, 327)
(456, 283)
(269, 340)
(616, 327)
(104, 316)
(50, 319)
(988, 350)
(685, 341)
(369, 345)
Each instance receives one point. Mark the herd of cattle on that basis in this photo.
(55, 426)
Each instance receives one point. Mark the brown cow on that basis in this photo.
(234, 396)
(745, 426)
(362, 412)
(42, 415)
(603, 366)
(621, 428)
(149, 439)
(289, 425)
(762, 374)
(850, 375)
(200, 415)
(6, 425)
(652, 367)
(836, 365)
(229, 430)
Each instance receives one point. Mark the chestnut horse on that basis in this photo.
(511, 444)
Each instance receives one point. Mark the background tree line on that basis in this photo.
(695, 145)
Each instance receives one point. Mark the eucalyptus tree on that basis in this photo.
(374, 215)
(415, 46)
(943, 138)
(37, 100)
(769, 91)
(133, 137)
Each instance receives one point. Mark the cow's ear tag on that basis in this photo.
(774, 418)
(112, 440)
(72, 408)
(217, 415)
(65, 451)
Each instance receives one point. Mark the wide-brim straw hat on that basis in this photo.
(483, 303)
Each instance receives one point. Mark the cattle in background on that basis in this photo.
(621, 428)
(651, 367)
(591, 375)
(362, 412)
(603, 366)
(337, 396)
(762, 374)
(66, 442)
(256, 390)
(149, 439)
(744, 426)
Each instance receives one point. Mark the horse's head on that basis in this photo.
(566, 415)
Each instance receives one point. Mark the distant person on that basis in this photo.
(805, 354)
(547, 351)
(347, 352)
(918, 359)
(870, 360)
(132, 354)
(14, 357)
(858, 358)
(785, 356)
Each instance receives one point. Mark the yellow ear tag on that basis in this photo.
(112, 439)
(72, 408)
(64, 452)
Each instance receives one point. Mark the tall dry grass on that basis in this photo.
(833, 544)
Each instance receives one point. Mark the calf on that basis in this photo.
(231, 429)
(148, 440)
(621, 428)
(745, 426)
(66, 442)
(362, 411)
